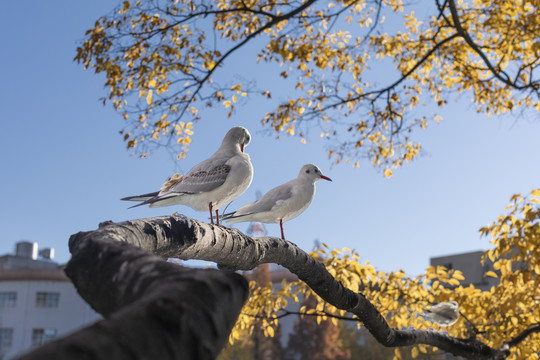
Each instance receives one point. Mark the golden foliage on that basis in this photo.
(493, 316)
(159, 58)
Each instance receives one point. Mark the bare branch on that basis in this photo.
(533, 329)
(275, 20)
(283, 313)
(499, 74)
(379, 92)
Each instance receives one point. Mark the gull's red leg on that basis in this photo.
(211, 214)
(217, 217)
(281, 226)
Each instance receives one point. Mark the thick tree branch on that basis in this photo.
(152, 309)
(184, 238)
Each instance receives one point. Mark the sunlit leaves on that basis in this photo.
(495, 315)
(363, 84)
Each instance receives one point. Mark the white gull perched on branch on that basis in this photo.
(282, 203)
(211, 184)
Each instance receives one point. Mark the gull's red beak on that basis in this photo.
(242, 147)
(325, 178)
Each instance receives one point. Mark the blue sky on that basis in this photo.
(64, 166)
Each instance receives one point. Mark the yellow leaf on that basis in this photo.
(126, 7)
(491, 274)
(149, 97)
(414, 352)
(535, 192)
(459, 276)
(270, 331)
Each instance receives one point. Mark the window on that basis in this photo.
(8, 299)
(42, 336)
(6, 337)
(47, 299)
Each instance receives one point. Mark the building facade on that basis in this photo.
(38, 302)
(470, 264)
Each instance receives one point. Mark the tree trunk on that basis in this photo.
(153, 309)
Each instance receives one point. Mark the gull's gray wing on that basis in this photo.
(197, 181)
(276, 197)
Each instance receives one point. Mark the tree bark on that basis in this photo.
(120, 284)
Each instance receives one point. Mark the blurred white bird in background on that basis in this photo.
(443, 314)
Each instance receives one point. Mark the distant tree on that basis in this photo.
(257, 345)
(314, 338)
(361, 345)
(240, 350)
(265, 347)
(364, 73)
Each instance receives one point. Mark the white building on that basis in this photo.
(38, 302)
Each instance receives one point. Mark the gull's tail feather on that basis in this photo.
(231, 218)
(155, 201)
(226, 216)
(142, 197)
(140, 204)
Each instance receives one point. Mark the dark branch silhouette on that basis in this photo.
(153, 309)
(535, 328)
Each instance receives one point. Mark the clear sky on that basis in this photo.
(64, 165)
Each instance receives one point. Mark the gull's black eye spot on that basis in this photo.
(307, 171)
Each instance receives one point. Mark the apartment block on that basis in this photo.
(38, 302)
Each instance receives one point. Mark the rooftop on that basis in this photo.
(33, 274)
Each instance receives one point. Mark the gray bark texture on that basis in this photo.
(159, 310)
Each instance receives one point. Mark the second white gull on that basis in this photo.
(282, 203)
